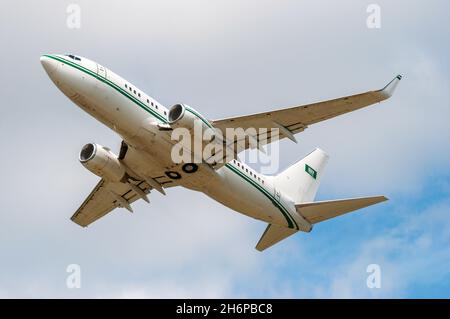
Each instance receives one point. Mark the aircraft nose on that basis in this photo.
(49, 64)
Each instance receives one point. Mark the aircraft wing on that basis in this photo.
(106, 196)
(292, 120)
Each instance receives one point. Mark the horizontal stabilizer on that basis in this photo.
(272, 235)
(316, 212)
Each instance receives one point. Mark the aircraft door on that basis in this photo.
(101, 70)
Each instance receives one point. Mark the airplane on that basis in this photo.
(284, 201)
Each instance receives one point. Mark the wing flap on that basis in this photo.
(316, 212)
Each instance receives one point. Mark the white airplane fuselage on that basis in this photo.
(138, 118)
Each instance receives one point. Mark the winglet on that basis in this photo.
(389, 89)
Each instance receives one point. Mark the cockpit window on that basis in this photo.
(73, 57)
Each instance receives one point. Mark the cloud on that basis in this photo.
(405, 253)
(228, 58)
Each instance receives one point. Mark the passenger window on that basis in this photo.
(126, 85)
(134, 91)
(147, 101)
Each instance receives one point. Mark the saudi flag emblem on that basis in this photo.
(311, 171)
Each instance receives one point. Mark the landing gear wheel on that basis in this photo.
(173, 175)
(190, 168)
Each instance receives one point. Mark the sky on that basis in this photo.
(228, 58)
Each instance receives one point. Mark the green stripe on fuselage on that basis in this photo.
(277, 204)
(111, 84)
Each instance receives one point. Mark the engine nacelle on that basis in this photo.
(181, 115)
(102, 162)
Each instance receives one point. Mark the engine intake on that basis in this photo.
(102, 162)
(87, 152)
(176, 113)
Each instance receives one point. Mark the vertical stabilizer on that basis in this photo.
(301, 180)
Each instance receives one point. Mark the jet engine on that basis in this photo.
(102, 162)
(181, 115)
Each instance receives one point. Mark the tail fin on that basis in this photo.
(301, 180)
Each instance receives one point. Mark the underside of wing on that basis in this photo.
(289, 121)
(122, 192)
(105, 197)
